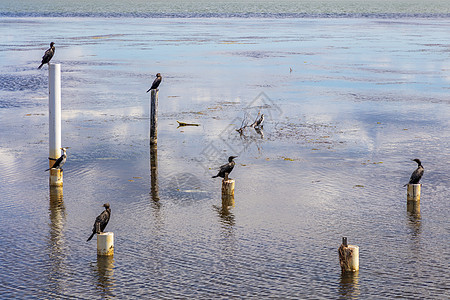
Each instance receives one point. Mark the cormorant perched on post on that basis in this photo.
(156, 82)
(101, 221)
(60, 161)
(227, 168)
(417, 174)
(48, 55)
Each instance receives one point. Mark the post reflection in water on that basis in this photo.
(56, 247)
(154, 186)
(154, 173)
(349, 285)
(415, 224)
(104, 272)
(413, 209)
(225, 214)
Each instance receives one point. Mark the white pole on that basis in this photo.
(54, 123)
(105, 244)
(54, 109)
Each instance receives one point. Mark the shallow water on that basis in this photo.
(227, 8)
(348, 103)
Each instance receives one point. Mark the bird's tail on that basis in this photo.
(40, 66)
(215, 176)
(405, 185)
(149, 90)
(90, 238)
(47, 170)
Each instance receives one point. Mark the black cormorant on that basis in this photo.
(60, 161)
(227, 168)
(48, 55)
(101, 221)
(417, 174)
(156, 82)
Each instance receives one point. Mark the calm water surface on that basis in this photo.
(348, 103)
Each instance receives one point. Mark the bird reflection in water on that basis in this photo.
(104, 272)
(56, 246)
(225, 214)
(228, 243)
(349, 285)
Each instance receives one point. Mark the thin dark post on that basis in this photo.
(154, 117)
(154, 173)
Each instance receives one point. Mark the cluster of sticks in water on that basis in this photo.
(257, 124)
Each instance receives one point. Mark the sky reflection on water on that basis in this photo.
(363, 98)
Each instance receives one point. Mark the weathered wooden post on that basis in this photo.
(105, 244)
(154, 172)
(154, 117)
(413, 192)
(227, 186)
(54, 109)
(348, 257)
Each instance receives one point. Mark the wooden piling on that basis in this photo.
(227, 186)
(154, 117)
(154, 185)
(348, 257)
(413, 192)
(54, 112)
(105, 244)
(56, 177)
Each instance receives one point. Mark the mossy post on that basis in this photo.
(348, 257)
(413, 192)
(154, 117)
(54, 113)
(105, 244)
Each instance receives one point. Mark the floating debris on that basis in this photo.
(288, 159)
(180, 124)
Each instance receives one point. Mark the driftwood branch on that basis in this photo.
(180, 124)
(258, 123)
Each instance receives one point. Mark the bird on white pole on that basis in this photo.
(60, 161)
(48, 55)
